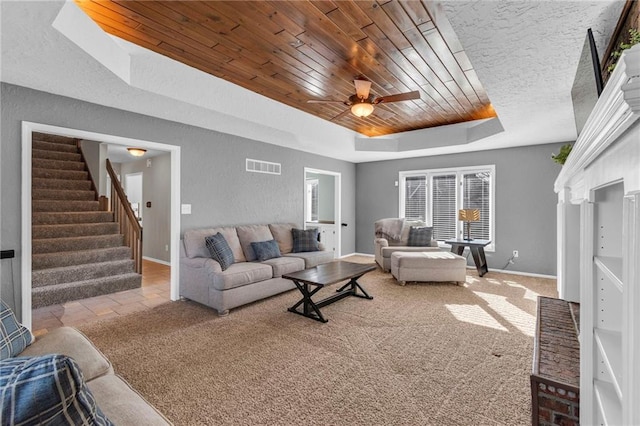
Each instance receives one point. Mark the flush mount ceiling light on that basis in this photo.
(136, 152)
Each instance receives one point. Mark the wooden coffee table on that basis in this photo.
(324, 275)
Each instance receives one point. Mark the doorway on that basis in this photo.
(26, 261)
(322, 195)
(133, 189)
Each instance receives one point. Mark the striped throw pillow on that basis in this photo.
(420, 236)
(220, 250)
(305, 240)
(14, 337)
(46, 390)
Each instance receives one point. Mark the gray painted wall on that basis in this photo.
(213, 178)
(91, 152)
(156, 184)
(525, 201)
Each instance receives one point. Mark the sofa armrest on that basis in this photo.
(207, 263)
(381, 242)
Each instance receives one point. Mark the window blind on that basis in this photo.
(476, 189)
(415, 197)
(444, 207)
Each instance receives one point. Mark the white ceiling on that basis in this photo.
(525, 53)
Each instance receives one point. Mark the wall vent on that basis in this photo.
(259, 166)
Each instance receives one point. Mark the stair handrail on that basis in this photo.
(125, 217)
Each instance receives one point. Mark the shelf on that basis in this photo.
(610, 347)
(611, 267)
(608, 403)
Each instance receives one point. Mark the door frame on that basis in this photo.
(26, 261)
(337, 193)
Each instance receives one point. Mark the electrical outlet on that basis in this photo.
(515, 253)
(166, 247)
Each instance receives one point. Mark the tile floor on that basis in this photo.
(156, 279)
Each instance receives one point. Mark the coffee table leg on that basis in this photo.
(353, 283)
(307, 303)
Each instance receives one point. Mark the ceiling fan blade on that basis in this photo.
(383, 113)
(397, 98)
(323, 101)
(342, 114)
(362, 88)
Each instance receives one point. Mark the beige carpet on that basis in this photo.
(436, 354)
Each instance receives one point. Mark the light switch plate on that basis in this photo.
(186, 208)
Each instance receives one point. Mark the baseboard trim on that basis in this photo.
(356, 254)
(526, 274)
(151, 259)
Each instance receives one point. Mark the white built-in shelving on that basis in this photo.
(602, 176)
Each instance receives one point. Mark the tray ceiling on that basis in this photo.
(296, 51)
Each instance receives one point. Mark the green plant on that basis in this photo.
(634, 38)
(563, 154)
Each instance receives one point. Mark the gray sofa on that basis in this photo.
(117, 400)
(392, 235)
(247, 280)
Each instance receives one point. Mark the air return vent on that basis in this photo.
(259, 166)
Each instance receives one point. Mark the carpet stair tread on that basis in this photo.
(45, 137)
(61, 218)
(64, 206)
(69, 258)
(73, 230)
(48, 154)
(49, 183)
(57, 164)
(61, 293)
(38, 172)
(52, 245)
(63, 194)
(73, 273)
(52, 146)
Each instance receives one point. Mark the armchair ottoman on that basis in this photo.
(428, 266)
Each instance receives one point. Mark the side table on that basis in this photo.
(477, 251)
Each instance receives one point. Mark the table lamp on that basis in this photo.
(468, 216)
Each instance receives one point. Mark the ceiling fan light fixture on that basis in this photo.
(136, 152)
(362, 109)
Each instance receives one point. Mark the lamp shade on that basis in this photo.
(469, 215)
(362, 109)
(136, 152)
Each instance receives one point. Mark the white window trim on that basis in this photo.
(458, 171)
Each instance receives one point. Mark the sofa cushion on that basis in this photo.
(404, 235)
(313, 258)
(122, 404)
(420, 236)
(305, 240)
(14, 337)
(219, 250)
(248, 234)
(69, 341)
(240, 274)
(388, 251)
(282, 234)
(194, 244)
(46, 390)
(285, 265)
(265, 250)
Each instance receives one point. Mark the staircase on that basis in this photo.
(78, 251)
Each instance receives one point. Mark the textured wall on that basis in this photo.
(213, 176)
(525, 201)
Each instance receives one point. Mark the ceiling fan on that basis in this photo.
(362, 103)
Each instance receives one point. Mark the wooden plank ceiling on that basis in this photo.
(293, 51)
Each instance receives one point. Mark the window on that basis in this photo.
(312, 200)
(435, 196)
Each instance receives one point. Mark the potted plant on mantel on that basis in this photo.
(634, 38)
(561, 158)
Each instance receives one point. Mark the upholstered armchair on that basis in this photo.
(392, 235)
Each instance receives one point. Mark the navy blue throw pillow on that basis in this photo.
(46, 390)
(266, 250)
(220, 250)
(420, 236)
(305, 240)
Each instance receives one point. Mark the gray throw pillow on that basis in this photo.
(266, 250)
(14, 337)
(220, 250)
(305, 240)
(420, 236)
